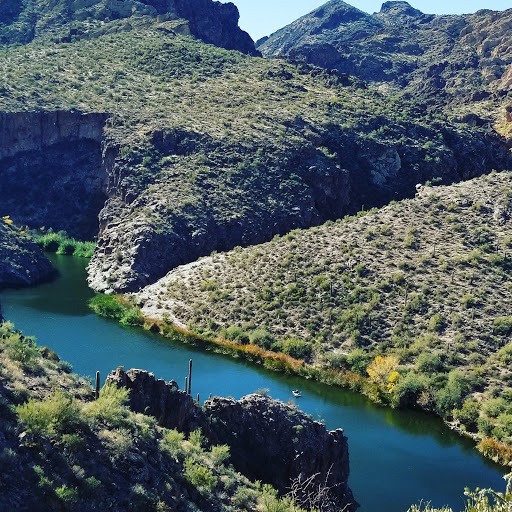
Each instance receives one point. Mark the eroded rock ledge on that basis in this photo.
(269, 440)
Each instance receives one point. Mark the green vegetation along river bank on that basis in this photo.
(411, 443)
(409, 304)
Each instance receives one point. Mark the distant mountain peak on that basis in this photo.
(400, 7)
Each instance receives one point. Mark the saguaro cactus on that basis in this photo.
(97, 390)
(189, 391)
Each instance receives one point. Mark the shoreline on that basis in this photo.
(130, 315)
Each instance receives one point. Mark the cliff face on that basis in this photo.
(268, 440)
(51, 170)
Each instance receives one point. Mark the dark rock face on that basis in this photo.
(21, 262)
(211, 21)
(268, 440)
(51, 170)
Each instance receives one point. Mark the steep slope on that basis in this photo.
(439, 59)
(213, 22)
(203, 146)
(63, 449)
(425, 280)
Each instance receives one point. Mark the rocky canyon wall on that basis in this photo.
(51, 170)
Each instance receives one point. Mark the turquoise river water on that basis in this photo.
(397, 458)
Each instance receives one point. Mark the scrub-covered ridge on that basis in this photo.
(414, 297)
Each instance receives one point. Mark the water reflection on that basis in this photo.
(397, 457)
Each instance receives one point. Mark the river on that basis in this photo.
(397, 458)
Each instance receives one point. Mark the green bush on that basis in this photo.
(468, 415)
(107, 306)
(199, 476)
(51, 416)
(235, 333)
(358, 360)
(296, 348)
(67, 494)
(502, 326)
(436, 323)
(262, 338)
(109, 408)
(409, 389)
(428, 362)
(219, 453)
(173, 441)
(451, 396)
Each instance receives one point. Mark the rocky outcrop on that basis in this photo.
(51, 170)
(213, 22)
(421, 53)
(268, 440)
(21, 261)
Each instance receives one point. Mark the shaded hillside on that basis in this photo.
(438, 59)
(203, 146)
(425, 280)
(62, 449)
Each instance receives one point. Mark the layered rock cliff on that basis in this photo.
(268, 440)
(51, 170)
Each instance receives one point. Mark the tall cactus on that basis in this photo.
(190, 377)
(97, 390)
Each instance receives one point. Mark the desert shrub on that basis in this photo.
(502, 325)
(199, 476)
(427, 362)
(23, 350)
(133, 317)
(219, 453)
(196, 439)
(505, 425)
(262, 338)
(494, 407)
(436, 323)
(504, 354)
(107, 306)
(73, 442)
(67, 494)
(51, 416)
(235, 333)
(174, 443)
(109, 408)
(409, 389)
(296, 348)
(452, 394)
(358, 360)
(468, 415)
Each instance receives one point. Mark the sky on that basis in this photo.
(263, 17)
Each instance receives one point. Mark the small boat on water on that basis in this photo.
(296, 393)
